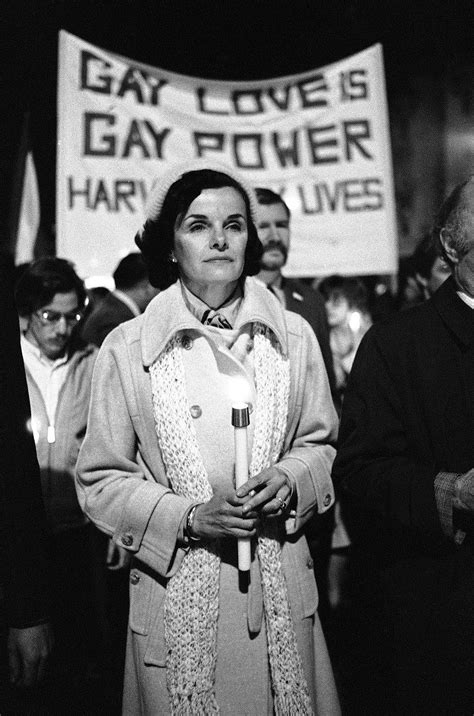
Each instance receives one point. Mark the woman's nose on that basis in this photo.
(218, 238)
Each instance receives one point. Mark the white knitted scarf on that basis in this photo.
(192, 595)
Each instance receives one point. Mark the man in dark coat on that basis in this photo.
(405, 467)
(133, 292)
(24, 573)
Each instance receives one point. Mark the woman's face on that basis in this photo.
(210, 239)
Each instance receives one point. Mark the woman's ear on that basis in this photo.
(448, 245)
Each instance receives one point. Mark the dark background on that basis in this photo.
(427, 45)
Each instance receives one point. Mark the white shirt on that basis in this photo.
(49, 376)
(469, 300)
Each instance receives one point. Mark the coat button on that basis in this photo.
(187, 343)
(327, 500)
(310, 563)
(134, 578)
(127, 540)
(195, 411)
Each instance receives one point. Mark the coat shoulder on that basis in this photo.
(125, 333)
(401, 327)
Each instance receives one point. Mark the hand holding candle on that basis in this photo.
(240, 421)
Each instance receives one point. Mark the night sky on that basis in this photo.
(214, 40)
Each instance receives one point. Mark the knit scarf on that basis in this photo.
(192, 596)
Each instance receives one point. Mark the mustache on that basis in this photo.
(275, 244)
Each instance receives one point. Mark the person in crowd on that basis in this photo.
(273, 226)
(23, 548)
(132, 294)
(409, 292)
(51, 299)
(96, 295)
(431, 269)
(345, 299)
(405, 466)
(156, 469)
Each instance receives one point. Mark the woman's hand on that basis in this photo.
(223, 516)
(268, 493)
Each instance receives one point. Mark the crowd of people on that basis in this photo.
(123, 590)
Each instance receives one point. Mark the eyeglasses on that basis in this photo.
(50, 318)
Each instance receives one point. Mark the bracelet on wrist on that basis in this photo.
(189, 525)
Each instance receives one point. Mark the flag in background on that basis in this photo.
(29, 218)
(25, 200)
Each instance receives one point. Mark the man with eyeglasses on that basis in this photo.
(50, 299)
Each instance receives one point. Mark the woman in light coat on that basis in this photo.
(156, 470)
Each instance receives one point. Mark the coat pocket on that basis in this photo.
(298, 568)
(142, 590)
(155, 654)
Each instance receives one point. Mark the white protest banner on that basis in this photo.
(320, 138)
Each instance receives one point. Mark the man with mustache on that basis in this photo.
(273, 229)
(51, 299)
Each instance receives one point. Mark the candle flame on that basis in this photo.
(240, 391)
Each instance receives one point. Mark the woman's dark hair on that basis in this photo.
(42, 280)
(156, 239)
(348, 287)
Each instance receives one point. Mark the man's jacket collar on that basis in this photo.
(167, 314)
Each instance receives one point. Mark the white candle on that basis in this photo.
(240, 421)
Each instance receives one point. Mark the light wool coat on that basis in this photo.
(123, 487)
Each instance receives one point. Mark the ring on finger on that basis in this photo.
(282, 503)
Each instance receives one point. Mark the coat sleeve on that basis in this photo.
(375, 468)
(115, 487)
(312, 423)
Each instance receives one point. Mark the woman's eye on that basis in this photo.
(197, 226)
(234, 226)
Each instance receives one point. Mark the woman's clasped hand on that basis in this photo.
(238, 513)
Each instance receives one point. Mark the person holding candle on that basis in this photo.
(157, 467)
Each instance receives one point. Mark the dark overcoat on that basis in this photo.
(310, 304)
(23, 568)
(408, 415)
(110, 312)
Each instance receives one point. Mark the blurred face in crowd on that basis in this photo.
(274, 232)
(210, 240)
(439, 273)
(337, 308)
(50, 327)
